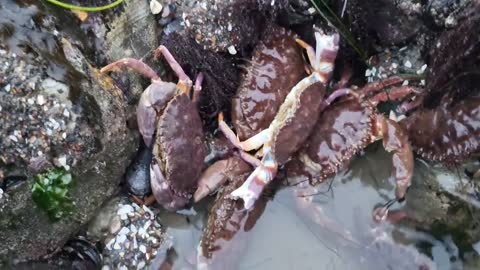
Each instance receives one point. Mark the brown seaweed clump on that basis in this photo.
(221, 77)
(230, 25)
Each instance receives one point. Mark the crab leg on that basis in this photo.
(252, 143)
(336, 94)
(395, 140)
(152, 99)
(197, 88)
(184, 82)
(217, 174)
(251, 190)
(134, 64)
(394, 94)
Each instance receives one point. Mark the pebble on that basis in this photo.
(141, 265)
(1, 193)
(231, 50)
(408, 64)
(115, 225)
(137, 240)
(155, 7)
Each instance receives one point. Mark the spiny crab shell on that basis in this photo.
(344, 129)
(448, 134)
(179, 151)
(276, 66)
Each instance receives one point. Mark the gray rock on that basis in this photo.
(27, 232)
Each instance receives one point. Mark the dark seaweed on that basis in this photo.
(221, 77)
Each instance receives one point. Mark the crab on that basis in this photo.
(292, 123)
(348, 124)
(168, 110)
(224, 239)
(275, 67)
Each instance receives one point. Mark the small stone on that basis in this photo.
(405, 83)
(40, 100)
(149, 211)
(147, 225)
(117, 246)
(106, 267)
(394, 65)
(231, 49)
(408, 64)
(7, 87)
(124, 231)
(125, 209)
(121, 238)
(141, 265)
(143, 249)
(155, 7)
(123, 267)
(133, 229)
(115, 225)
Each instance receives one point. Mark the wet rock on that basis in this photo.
(381, 21)
(443, 202)
(97, 163)
(138, 174)
(230, 26)
(454, 60)
(445, 13)
(127, 31)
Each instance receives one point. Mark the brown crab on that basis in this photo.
(292, 123)
(224, 239)
(346, 126)
(179, 144)
(276, 66)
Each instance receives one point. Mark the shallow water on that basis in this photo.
(346, 237)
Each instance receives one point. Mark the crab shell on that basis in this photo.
(448, 134)
(179, 151)
(344, 128)
(295, 120)
(276, 66)
(220, 243)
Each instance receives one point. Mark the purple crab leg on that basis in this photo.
(336, 94)
(134, 64)
(394, 94)
(184, 81)
(197, 88)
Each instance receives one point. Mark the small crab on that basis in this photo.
(179, 143)
(292, 123)
(347, 125)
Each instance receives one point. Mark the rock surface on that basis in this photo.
(97, 167)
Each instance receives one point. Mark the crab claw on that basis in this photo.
(250, 191)
(217, 174)
(153, 99)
